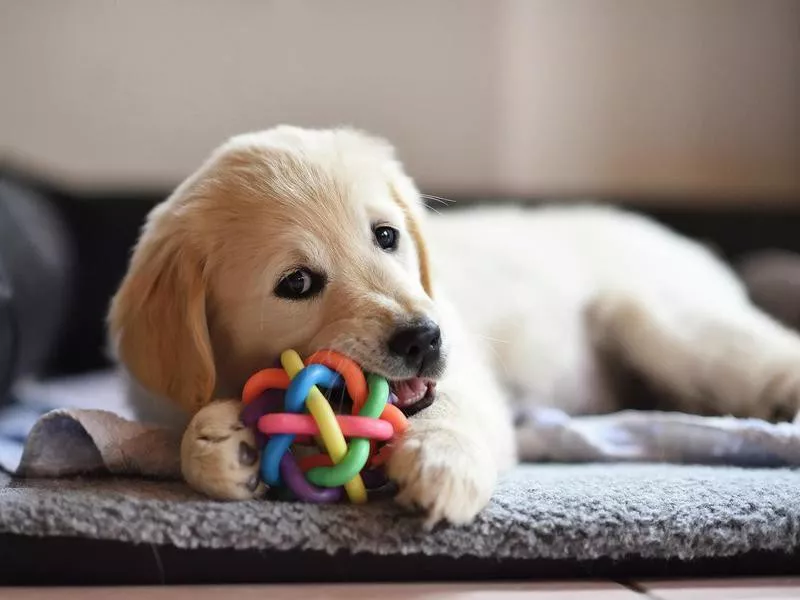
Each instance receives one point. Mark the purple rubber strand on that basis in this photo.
(296, 481)
(269, 402)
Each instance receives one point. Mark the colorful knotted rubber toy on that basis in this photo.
(353, 445)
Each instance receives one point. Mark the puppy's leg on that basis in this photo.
(729, 359)
(450, 458)
(219, 456)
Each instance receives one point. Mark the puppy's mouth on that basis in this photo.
(413, 395)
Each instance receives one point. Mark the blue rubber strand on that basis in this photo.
(294, 402)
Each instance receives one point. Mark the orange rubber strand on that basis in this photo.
(350, 371)
(396, 417)
(266, 379)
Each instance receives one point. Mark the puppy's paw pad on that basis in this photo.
(443, 472)
(248, 454)
(219, 456)
(779, 401)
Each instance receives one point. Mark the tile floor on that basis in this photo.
(717, 589)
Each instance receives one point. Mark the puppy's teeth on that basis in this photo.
(410, 391)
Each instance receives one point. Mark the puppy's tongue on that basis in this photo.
(410, 391)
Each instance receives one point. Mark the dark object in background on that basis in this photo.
(35, 268)
(101, 229)
(8, 334)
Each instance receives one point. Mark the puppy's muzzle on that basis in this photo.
(419, 345)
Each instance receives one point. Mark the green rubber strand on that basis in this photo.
(358, 448)
(377, 398)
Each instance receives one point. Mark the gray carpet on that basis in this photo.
(540, 512)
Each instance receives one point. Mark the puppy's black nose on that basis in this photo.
(417, 344)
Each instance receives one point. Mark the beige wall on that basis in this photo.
(670, 96)
(505, 97)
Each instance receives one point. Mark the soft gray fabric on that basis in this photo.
(549, 434)
(68, 442)
(79, 441)
(541, 511)
(96, 390)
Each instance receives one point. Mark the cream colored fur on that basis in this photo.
(525, 298)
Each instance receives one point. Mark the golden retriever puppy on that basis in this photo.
(307, 239)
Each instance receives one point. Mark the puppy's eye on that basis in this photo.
(299, 285)
(386, 237)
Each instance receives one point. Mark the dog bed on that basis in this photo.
(544, 521)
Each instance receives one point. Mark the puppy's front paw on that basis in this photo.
(447, 472)
(219, 456)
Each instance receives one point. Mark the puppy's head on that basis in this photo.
(287, 238)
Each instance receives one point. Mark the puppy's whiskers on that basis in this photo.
(492, 339)
(440, 199)
(429, 207)
(496, 352)
(340, 403)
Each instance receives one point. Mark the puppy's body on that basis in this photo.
(280, 241)
(524, 281)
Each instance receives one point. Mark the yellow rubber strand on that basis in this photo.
(331, 434)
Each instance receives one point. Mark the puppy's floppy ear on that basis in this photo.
(403, 191)
(157, 319)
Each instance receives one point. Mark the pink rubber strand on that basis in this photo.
(351, 426)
